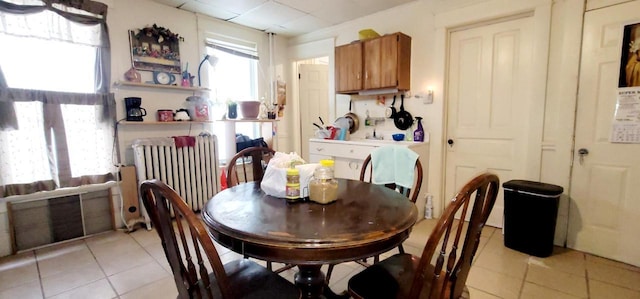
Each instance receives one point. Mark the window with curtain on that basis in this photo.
(56, 114)
(234, 78)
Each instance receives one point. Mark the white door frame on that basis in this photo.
(309, 50)
(477, 15)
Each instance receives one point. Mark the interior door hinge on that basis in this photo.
(299, 76)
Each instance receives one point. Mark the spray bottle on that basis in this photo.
(428, 208)
(418, 134)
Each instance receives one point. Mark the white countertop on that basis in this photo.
(369, 141)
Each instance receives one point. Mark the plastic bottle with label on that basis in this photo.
(418, 134)
(293, 185)
(428, 208)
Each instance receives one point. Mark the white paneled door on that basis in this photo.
(604, 216)
(314, 101)
(489, 119)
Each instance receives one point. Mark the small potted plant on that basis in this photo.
(232, 109)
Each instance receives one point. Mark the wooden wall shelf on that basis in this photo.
(250, 120)
(164, 123)
(149, 85)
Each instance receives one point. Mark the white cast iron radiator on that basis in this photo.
(190, 170)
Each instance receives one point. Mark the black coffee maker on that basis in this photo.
(134, 111)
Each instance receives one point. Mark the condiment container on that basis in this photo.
(323, 188)
(293, 185)
(328, 163)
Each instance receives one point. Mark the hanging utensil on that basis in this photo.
(354, 121)
(318, 126)
(321, 121)
(390, 112)
(403, 119)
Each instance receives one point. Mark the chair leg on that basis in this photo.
(328, 276)
(269, 266)
(284, 268)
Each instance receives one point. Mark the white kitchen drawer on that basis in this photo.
(351, 151)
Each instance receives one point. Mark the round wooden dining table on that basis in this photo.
(366, 220)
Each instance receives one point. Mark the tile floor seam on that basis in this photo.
(586, 276)
(35, 259)
(101, 269)
(524, 279)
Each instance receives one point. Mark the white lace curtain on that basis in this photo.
(53, 139)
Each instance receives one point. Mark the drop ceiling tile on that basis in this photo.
(210, 10)
(286, 17)
(235, 6)
(307, 23)
(172, 3)
(307, 6)
(268, 15)
(341, 12)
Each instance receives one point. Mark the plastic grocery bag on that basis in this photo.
(274, 181)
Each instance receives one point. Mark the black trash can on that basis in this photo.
(530, 213)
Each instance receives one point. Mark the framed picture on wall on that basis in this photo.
(630, 56)
(155, 49)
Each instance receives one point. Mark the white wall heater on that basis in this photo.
(191, 170)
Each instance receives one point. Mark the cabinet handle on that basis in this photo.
(319, 149)
(366, 75)
(353, 165)
(351, 151)
(358, 76)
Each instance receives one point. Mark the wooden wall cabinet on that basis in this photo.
(378, 63)
(349, 67)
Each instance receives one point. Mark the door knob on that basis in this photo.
(450, 142)
(582, 152)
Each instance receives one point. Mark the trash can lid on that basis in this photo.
(533, 187)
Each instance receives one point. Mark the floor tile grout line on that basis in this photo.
(102, 269)
(586, 275)
(71, 289)
(154, 260)
(35, 258)
(149, 253)
(524, 278)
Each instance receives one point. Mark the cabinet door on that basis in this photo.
(387, 62)
(346, 168)
(381, 67)
(349, 67)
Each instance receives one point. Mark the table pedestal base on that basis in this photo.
(311, 282)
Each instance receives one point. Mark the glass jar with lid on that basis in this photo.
(323, 188)
(328, 163)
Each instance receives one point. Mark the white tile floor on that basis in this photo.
(121, 265)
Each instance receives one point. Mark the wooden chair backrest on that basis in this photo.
(451, 267)
(366, 174)
(181, 240)
(256, 155)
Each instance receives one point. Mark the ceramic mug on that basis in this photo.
(165, 115)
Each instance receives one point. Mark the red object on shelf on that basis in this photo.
(223, 178)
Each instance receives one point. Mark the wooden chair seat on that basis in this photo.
(442, 269)
(382, 278)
